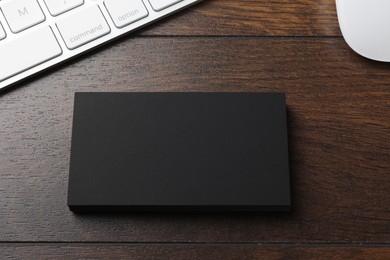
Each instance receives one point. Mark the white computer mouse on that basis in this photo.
(365, 25)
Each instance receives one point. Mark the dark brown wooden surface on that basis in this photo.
(339, 138)
(190, 251)
(253, 18)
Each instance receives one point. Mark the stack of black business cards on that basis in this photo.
(179, 152)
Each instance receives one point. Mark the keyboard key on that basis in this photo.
(22, 14)
(159, 5)
(125, 12)
(57, 7)
(2, 33)
(83, 27)
(17, 57)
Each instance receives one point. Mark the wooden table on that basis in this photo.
(339, 139)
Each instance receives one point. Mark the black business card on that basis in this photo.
(179, 152)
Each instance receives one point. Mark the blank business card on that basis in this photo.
(179, 152)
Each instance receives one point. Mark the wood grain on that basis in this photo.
(339, 139)
(339, 132)
(180, 251)
(253, 18)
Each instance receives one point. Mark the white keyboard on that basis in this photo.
(38, 34)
